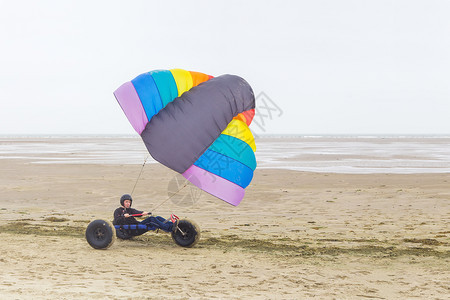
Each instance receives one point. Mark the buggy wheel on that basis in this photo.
(100, 234)
(186, 234)
(123, 234)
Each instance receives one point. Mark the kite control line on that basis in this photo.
(139, 176)
(143, 165)
(154, 208)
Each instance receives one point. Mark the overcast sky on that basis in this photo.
(318, 67)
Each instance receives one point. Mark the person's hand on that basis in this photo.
(126, 215)
(145, 213)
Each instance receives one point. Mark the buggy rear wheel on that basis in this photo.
(100, 234)
(186, 234)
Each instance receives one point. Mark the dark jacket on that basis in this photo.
(119, 218)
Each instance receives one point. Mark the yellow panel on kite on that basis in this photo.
(183, 80)
(240, 130)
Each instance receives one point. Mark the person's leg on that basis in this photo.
(164, 224)
(160, 222)
(148, 220)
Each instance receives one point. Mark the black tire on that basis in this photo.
(100, 234)
(123, 234)
(187, 233)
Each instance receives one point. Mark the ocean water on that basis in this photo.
(357, 155)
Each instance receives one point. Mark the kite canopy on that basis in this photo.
(196, 125)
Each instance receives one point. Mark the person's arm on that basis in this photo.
(119, 216)
(144, 213)
(138, 212)
(135, 211)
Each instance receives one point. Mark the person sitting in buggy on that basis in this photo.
(127, 226)
(101, 234)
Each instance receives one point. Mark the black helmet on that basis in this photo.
(125, 197)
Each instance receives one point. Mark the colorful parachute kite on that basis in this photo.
(196, 125)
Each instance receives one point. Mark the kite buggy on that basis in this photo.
(101, 234)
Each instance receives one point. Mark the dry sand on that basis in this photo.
(296, 235)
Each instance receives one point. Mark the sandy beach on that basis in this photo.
(296, 235)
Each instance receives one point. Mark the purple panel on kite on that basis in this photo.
(131, 105)
(215, 185)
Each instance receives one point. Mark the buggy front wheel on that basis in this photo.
(100, 234)
(186, 234)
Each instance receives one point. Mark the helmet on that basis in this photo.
(125, 197)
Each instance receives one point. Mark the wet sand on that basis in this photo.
(296, 235)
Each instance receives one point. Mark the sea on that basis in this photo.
(324, 154)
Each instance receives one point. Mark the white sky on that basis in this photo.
(332, 67)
